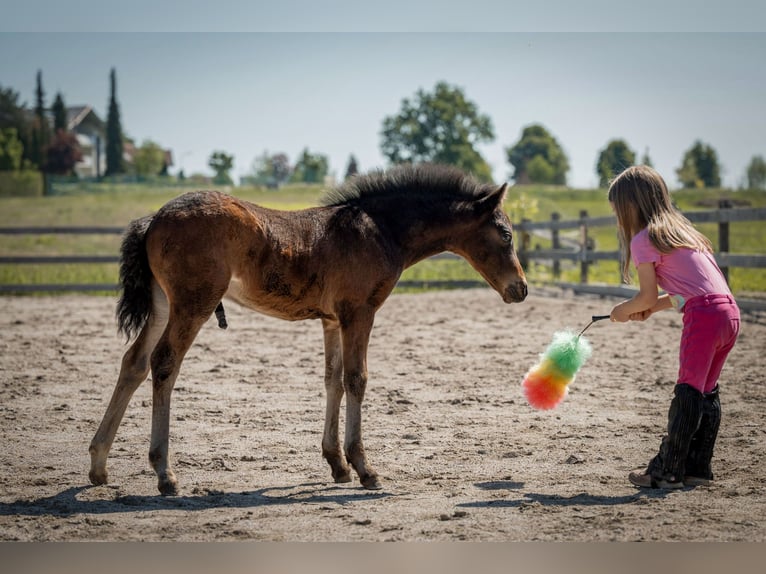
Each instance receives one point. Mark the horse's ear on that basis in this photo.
(493, 199)
(501, 192)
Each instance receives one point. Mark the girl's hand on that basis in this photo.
(641, 315)
(618, 314)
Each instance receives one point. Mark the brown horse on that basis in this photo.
(338, 263)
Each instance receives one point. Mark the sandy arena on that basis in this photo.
(460, 453)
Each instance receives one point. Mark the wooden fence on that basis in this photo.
(582, 251)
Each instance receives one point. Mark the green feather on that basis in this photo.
(568, 352)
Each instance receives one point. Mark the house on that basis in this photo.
(90, 131)
(91, 135)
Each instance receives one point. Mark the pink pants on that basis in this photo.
(711, 326)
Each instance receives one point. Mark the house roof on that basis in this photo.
(78, 114)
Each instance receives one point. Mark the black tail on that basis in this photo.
(135, 302)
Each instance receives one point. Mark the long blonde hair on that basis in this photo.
(641, 199)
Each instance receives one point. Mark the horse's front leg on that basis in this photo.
(355, 339)
(333, 382)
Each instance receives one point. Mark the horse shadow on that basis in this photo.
(580, 499)
(66, 503)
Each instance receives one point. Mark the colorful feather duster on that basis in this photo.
(546, 384)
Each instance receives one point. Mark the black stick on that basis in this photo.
(593, 319)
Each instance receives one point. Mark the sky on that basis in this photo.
(251, 79)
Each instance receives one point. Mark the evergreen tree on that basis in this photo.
(352, 169)
(114, 149)
(646, 160)
(40, 127)
(60, 121)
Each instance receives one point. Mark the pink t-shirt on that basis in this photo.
(683, 271)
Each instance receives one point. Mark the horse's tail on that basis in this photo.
(135, 302)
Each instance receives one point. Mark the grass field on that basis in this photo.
(116, 205)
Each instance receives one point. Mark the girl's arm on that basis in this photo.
(645, 300)
(663, 302)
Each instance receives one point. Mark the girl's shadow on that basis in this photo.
(580, 499)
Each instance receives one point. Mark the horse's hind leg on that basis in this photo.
(134, 370)
(166, 359)
(333, 382)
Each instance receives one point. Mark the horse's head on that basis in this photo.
(488, 247)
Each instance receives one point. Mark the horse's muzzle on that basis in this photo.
(516, 292)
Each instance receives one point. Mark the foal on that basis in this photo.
(337, 263)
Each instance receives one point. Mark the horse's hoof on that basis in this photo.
(97, 478)
(168, 488)
(343, 478)
(371, 482)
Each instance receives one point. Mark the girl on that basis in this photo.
(669, 252)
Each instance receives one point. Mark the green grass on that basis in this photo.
(112, 205)
(118, 204)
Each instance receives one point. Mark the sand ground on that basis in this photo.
(461, 454)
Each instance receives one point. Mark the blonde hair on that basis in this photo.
(641, 200)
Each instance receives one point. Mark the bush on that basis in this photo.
(21, 183)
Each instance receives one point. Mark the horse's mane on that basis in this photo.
(407, 181)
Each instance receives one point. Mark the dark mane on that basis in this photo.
(422, 181)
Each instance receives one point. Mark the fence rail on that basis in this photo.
(585, 253)
(582, 251)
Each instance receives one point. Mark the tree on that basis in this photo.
(11, 150)
(440, 127)
(221, 163)
(540, 171)
(536, 142)
(612, 160)
(14, 115)
(149, 159)
(646, 160)
(271, 170)
(310, 168)
(115, 163)
(40, 127)
(699, 167)
(756, 173)
(60, 121)
(62, 154)
(351, 169)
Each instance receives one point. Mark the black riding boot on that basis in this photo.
(698, 469)
(668, 468)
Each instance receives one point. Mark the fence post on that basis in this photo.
(583, 247)
(555, 244)
(723, 235)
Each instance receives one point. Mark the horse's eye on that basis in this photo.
(507, 236)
